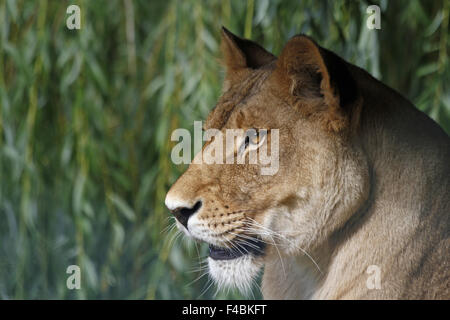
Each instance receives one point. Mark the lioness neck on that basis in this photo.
(399, 235)
(402, 229)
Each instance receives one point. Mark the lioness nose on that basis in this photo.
(182, 214)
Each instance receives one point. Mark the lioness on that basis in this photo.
(359, 208)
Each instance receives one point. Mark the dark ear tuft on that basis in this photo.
(242, 53)
(340, 78)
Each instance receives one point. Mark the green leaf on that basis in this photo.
(122, 206)
(427, 69)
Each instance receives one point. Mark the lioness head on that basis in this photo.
(250, 219)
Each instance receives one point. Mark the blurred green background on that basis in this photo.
(86, 117)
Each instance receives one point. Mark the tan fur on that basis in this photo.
(364, 178)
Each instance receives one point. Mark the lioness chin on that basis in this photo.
(359, 207)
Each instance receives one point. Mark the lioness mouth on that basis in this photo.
(253, 246)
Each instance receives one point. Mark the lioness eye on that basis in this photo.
(251, 139)
(254, 138)
(246, 142)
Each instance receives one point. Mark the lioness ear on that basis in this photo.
(241, 53)
(315, 74)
